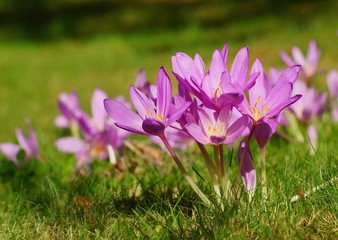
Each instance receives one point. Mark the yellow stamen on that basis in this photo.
(218, 92)
(259, 113)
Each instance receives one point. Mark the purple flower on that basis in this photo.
(248, 171)
(310, 105)
(141, 83)
(266, 102)
(70, 110)
(86, 149)
(28, 143)
(152, 117)
(217, 87)
(101, 137)
(189, 72)
(308, 63)
(213, 127)
(332, 83)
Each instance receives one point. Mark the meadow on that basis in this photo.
(146, 199)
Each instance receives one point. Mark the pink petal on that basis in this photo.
(247, 171)
(236, 130)
(287, 60)
(142, 104)
(239, 68)
(124, 116)
(261, 87)
(164, 93)
(98, 111)
(10, 151)
(61, 122)
(70, 145)
(217, 67)
(332, 82)
(298, 56)
(197, 133)
(313, 54)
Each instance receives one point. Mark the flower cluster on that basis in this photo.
(225, 105)
(212, 108)
(313, 103)
(92, 137)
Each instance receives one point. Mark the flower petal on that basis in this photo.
(332, 82)
(239, 68)
(313, 54)
(61, 122)
(261, 87)
(164, 93)
(236, 130)
(124, 117)
(10, 151)
(217, 66)
(248, 171)
(153, 126)
(197, 133)
(298, 56)
(264, 131)
(70, 145)
(98, 111)
(287, 60)
(142, 104)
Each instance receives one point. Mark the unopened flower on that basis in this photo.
(247, 170)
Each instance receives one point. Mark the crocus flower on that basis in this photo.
(308, 63)
(213, 128)
(332, 83)
(70, 110)
(152, 118)
(266, 102)
(247, 170)
(87, 149)
(101, 137)
(310, 105)
(217, 87)
(28, 143)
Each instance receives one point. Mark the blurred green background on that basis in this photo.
(50, 46)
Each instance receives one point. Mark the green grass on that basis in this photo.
(40, 201)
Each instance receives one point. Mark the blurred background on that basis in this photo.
(50, 46)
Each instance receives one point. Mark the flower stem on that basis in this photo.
(217, 161)
(221, 157)
(184, 172)
(74, 129)
(263, 170)
(210, 165)
(244, 151)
